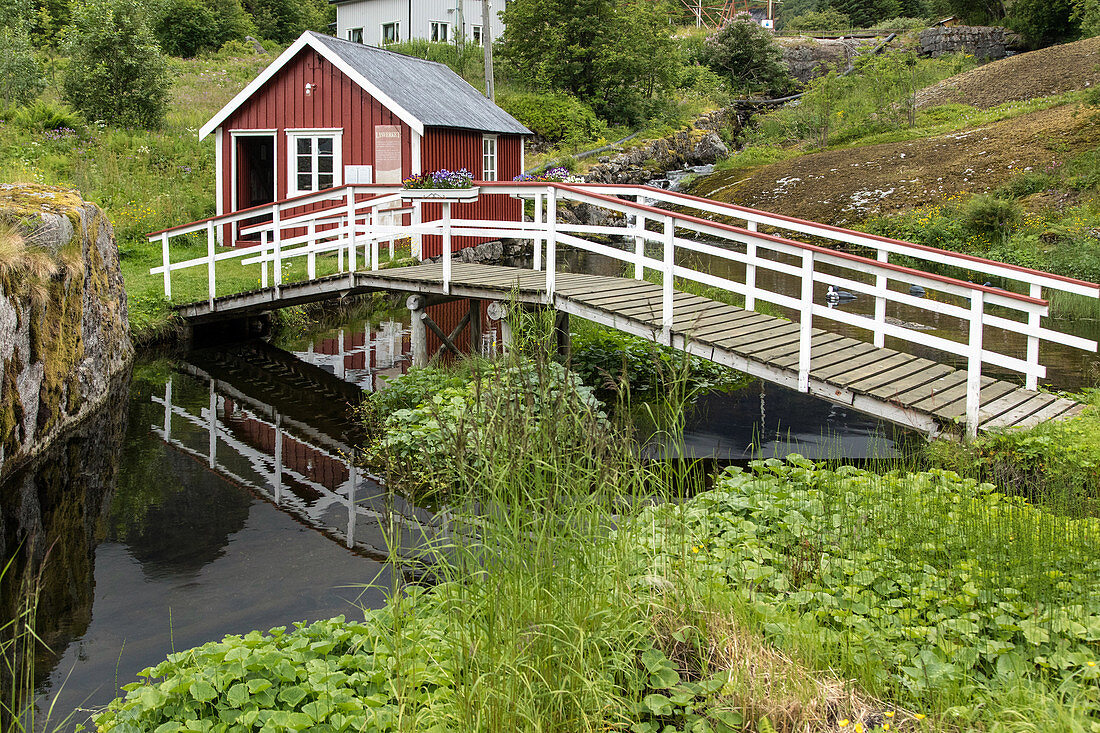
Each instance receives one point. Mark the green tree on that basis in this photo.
(746, 54)
(1043, 22)
(185, 28)
(613, 54)
(285, 20)
(865, 13)
(828, 19)
(117, 72)
(21, 78)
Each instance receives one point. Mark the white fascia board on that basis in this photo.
(307, 39)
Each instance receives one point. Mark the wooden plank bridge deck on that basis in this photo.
(901, 388)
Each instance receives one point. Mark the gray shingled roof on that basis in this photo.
(429, 91)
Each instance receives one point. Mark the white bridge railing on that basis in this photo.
(669, 241)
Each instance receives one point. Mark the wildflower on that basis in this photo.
(919, 716)
(889, 713)
(696, 551)
(1092, 664)
(886, 726)
(843, 723)
(858, 728)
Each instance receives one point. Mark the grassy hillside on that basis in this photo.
(999, 160)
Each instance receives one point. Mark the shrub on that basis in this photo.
(554, 116)
(747, 55)
(21, 77)
(987, 214)
(184, 28)
(828, 19)
(901, 24)
(117, 73)
(44, 116)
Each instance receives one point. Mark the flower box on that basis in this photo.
(444, 194)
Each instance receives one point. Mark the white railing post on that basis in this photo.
(551, 242)
(446, 247)
(639, 247)
(263, 259)
(750, 269)
(277, 241)
(1034, 321)
(168, 409)
(350, 194)
(311, 258)
(277, 482)
(974, 361)
(211, 242)
(667, 279)
(806, 320)
(537, 241)
(418, 239)
(372, 238)
(166, 260)
(881, 283)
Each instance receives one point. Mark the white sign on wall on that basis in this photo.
(387, 153)
(358, 174)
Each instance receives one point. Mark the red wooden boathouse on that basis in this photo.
(330, 112)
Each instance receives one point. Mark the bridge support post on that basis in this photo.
(446, 246)
(562, 340)
(311, 258)
(211, 242)
(639, 247)
(475, 325)
(166, 260)
(551, 243)
(419, 331)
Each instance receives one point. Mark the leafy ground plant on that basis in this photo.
(934, 590)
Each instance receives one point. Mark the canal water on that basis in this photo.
(216, 495)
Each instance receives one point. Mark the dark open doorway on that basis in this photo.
(255, 174)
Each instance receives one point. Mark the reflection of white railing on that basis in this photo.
(268, 474)
(667, 242)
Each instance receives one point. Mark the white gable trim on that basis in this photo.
(307, 39)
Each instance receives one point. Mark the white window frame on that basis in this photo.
(477, 37)
(439, 31)
(396, 33)
(292, 138)
(351, 35)
(490, 161)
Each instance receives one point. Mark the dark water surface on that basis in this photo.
(214, 496)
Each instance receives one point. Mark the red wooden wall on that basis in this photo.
(337, 102)
(455, 149)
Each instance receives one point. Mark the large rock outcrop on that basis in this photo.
(700, 144)
(808, 58)
(985, 42)
(64, 330)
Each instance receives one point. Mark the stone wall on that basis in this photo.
(808, 58)
(64, 330)
(985, 42)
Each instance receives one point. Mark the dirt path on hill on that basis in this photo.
(847, 186)
(1039, 73)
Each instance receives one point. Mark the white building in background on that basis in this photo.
(379, 22)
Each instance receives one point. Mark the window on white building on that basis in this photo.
(475, 34)
(441, 31)
(355, 35)
(315, 160)
(391, 33)
(489, 158)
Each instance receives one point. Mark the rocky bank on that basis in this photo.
(64, 330)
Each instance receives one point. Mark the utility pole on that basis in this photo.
(461, 35)
(487, 46)
(699, 13)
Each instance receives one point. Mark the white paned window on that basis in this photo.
(355, 35)
(315, 160)
(441, 31)
(391, 33)
(475, 33)
(489, 158)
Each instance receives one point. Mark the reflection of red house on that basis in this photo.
(303, 459)
(329, 112)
